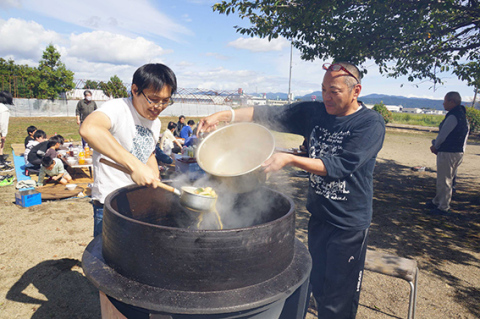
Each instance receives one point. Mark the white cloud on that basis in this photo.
(25, 39)
(117, 16)
(259, 44)
(217, 56)
(5, 4)
(101, 46)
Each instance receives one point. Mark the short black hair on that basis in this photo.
(47, 161)
(87, 91)
(39, 133)
(155, 76)
(60, 138)
(54, 140)
(191, 122)
(181, 117)
(6, 98)
(31, 129)
(171, 125)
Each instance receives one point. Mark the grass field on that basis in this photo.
(417, 119)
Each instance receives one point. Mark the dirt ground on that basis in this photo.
(41, 246)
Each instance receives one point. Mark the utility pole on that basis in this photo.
(290, 75)
(476, 90)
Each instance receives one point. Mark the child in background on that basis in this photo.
(39, 136)
(30, 130)
(53, 167)
(54, 144)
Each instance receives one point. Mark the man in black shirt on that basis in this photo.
(344, 138)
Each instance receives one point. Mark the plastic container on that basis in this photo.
(81, 158)
(87, 151)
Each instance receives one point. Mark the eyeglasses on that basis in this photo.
(161, 103)
(338, 67)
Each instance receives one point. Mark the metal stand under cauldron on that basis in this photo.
(150, 268)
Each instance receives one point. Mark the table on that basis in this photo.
(89, 166)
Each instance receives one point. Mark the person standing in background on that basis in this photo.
(84, 108)
(5, 99)
(449, 147)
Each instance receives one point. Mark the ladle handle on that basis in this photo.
(127, 171)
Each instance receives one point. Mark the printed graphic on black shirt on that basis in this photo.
(143, 143)
(323, 143)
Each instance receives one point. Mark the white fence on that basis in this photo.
(48, 108)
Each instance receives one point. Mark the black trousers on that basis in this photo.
(338, 260)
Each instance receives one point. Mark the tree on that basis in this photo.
(92, 85)
(406, 37)
(52, 77)
(384, 112)
(114, 88)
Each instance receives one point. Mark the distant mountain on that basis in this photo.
(408, 102)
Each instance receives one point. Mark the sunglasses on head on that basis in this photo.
(338, 67)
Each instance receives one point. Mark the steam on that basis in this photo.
(235, 210)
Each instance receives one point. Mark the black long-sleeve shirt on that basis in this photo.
(348, 147)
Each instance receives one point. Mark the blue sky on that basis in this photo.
(98, 39)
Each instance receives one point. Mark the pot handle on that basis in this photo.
(126, 171)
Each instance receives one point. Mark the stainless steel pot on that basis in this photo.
(234, 154)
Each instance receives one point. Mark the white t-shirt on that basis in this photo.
(135, 133)
(166, 143)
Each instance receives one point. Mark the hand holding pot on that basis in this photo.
(209, 123)
(276, 162)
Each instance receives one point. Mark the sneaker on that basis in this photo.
(5, 156)
(7, 181)
(2, 177)
(6, 168)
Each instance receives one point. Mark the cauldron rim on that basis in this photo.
(132, 187)
(129, 291)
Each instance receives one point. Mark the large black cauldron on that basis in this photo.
(144, 259)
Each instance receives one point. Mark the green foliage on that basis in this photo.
(114, 88)
(50, 79)
(92, 85)
(473, 117)
(421, 38)
(52, 76)
(382, 109)
(417, 119)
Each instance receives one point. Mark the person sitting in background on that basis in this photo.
(39, 151)
(180, 125)
(30, 131)
(39, 137)
(54, 144)
(187, 130)
(168, 143)
(53, 167)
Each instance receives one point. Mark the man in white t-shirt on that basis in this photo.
(125, 131)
